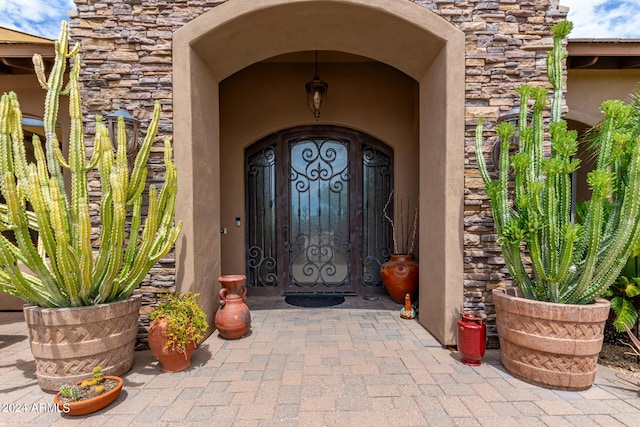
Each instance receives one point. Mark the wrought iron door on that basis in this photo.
(314, 203)
(318, 239)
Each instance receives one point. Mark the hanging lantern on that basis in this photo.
(316, 93)
(131, 126)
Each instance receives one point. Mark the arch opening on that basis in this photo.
(401, 35)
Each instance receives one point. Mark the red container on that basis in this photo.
(472, 333)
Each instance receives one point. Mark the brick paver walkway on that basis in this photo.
(357, 364)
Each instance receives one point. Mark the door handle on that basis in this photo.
(285, 234)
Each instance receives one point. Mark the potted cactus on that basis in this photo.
(89, 395)
(553, 335)
(82, 309)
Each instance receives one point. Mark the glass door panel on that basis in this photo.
(319, 211)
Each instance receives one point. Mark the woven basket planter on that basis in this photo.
(67, 343)
(548, 344)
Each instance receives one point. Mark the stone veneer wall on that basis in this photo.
(126, 54)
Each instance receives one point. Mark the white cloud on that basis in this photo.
(39, 17)
(604, 18)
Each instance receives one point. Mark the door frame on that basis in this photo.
(282, 140)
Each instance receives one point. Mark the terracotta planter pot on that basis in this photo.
(171, 359)
(400, 277)
(68, 342)
(233, 318)
(548, 344)
(88, 406)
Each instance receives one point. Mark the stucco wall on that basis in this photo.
(585, 93)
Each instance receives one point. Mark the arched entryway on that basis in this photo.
(399, 34)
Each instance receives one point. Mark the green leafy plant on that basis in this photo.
(63, 269)
(624, 293)
(185, 320)
(571, 263)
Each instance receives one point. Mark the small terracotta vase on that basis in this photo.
(83, 407)
(233, 318)
(400, 277)
(171, 359)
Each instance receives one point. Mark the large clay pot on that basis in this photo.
(548, 344)
(400, 277)
(83, 407)
(172, 360)
(233, 318)
(69, 342)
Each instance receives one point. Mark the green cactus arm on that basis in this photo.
(102, 259)
(121, 154)
(159, 223)
(482, 166)
(6, 286)
(54, 86)
(108, 289)
(599, 182)
(105, 164)
(17, 283)
(41, 210)
(164, 246)
(17, 216)
(101, 133)
(554, 66)
(571, 233)
(535, 224)
(523, 116)
(550, 204)
(513, 260)
(510, 250)
(148, 232)
(17, 136)
(138, 175)
(165, 230)
(626, 236)
(41, 167)
(38, 65)
(136, 275)
(81, 237)
(539, 94)
(611, 109)
(6, 126)
(85, 250)
(140, 263)
(505, 131)
(67, 258)
(170, 187)
(132, 243)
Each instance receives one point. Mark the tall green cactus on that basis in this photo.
(571, 263)
(61, 269)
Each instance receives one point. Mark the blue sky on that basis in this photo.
(591, 18)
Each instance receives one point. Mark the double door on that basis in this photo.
(315, 199)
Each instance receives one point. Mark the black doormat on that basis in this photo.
(314, 300)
